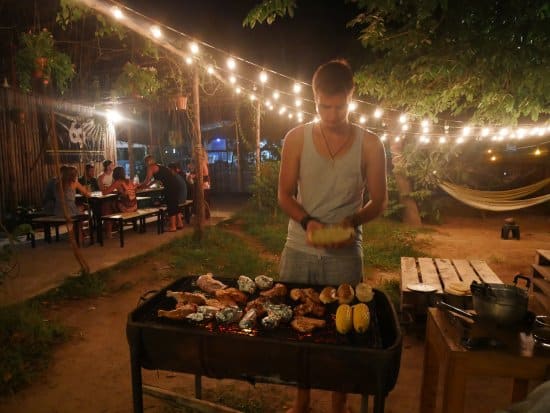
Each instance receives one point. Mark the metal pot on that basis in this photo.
(500, 303)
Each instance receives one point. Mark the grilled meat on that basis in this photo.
(212, 302)
(328, 295)
(279, 291)
(183, 297)
(306, 324)
(297, 294)
(259, 304)
(310, 307)
(179, 313)
(229, 315)
(208, 284)
(235, 295)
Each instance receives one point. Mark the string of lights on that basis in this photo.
(287, 96)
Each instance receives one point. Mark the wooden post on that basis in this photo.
(258, 154)
(197, 149)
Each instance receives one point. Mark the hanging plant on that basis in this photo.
(137, 81)
(37, 58)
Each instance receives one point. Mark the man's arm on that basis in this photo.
(374, 171)
(148, 178)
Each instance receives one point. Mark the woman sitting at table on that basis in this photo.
(69, 186)
(127, 200)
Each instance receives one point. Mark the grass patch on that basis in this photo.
(219, 252)
(247, 402)
(83, 286)
(269, 230)
(386, 241)
(391, 286)
(26, 340)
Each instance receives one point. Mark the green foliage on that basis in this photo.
(26, 339)
(138, 81)
(268, 11)
(72, 11)
(264, 188)
(55, 65)
(486, 60)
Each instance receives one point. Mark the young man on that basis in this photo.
(325, 169)
(89, 178)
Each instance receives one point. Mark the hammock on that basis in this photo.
(497, 200)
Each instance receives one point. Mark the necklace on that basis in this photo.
(338, 150)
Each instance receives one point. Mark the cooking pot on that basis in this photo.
(501, 303)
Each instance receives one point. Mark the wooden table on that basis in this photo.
(519, 359)
(438, 272)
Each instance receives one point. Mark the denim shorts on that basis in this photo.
(303, 268)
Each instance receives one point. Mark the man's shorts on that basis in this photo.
(303, 268)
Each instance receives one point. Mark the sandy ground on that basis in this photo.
(91, 372)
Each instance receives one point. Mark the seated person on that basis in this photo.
(88, 179)
(127, 200)
(48, 200)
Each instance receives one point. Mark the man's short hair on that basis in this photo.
(106, 163)
(89, 166)
(333, 78)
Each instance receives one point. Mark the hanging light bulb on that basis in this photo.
(156, 32)
(362, 119)
(231, 64)
(485, 132)
(403, 118)
(466, 131)
(238, 90)
(210, 69)
(117, 13)
(297, 88)
(232, 79)
(537, 152)
(425, 123)
(352, 106)
(263, 76)
(298, 102)
(276, 95)
(194, 47)
(188, 60)
(442, 139)
(405, 127)
(378, 113)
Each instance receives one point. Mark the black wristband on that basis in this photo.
(305, 220)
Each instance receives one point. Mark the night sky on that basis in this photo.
(293, 46)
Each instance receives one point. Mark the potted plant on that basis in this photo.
(38, 58)
(137, 81)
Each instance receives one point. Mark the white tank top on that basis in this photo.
(107, 180)
(328, 190)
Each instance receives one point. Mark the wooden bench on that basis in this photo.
(186, 208)
(47, 222)
(439, 272)
(137, 218)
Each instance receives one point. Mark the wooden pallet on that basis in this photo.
(541, 281)
(439, 272)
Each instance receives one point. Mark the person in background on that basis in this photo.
(67, 187)
(88, 179)
(105, 179)
(182, 185)
(171, 190)
(108, 206)
(127, 200)
(325, 169)
(48, 199)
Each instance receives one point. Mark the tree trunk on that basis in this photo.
(197, 155)
(411, 215)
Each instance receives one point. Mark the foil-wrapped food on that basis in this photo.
(246, 284)
(263, 282)
(229, 315)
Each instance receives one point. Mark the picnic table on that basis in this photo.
(437, 273)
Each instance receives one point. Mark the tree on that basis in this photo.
(485, 60)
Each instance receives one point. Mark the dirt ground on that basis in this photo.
(91, 372)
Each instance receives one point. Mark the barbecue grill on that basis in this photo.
(366, 364)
